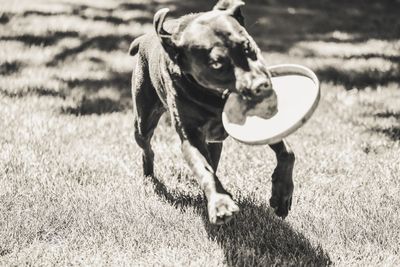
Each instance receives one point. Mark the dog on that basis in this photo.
(186, 67)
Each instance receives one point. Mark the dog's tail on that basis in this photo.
(134, 47)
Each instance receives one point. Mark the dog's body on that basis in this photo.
(185, 68)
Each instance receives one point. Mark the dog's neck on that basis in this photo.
(187, 87)
(200, 94)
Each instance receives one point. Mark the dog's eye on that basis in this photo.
(216, 65)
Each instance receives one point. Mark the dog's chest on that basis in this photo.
(214, 131)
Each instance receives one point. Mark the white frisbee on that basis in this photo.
(298, 93)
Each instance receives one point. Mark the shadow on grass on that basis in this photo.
(5, 18)
(92, 102)
(107, 43)
(32, 91)
(289, 21)
(359, 79)
(42, 13)
(9, 68)
(392, 58)
(79, 11)
(150, 6)
(118, 80)
(105, 14)
(50, 38)
(255, 237)
(392, 132)
(388, 114)
(389, 128)
(93, 106)
(276, 26)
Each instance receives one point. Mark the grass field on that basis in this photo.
(71, 189)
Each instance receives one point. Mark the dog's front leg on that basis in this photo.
(220, 205)
(282, 181)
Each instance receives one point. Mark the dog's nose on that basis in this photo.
(261, 88)
(258, 93)
(260, 85)
(253, 87)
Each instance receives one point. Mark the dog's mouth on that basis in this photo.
(257, 95)
(261, 102)
(238, 108)
(264, 107)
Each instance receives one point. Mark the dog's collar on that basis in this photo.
(224, 95)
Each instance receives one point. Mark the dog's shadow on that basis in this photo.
(256, 237)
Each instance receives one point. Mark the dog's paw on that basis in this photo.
(281, 199)
(221, 207)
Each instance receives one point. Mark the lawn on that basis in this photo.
(71, 188)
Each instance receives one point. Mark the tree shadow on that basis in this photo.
(42, 13)
(5, 17)
(149, 6)
(103, 43)
(255, 237)
(114, 79)
(103, 14)
(293, 21)
(32, 91)
(50, 38)
(107, 42)
(276, 26)
(98, 106)
(106, 14)
(359, 79)
(392, 132)
(92, 102)
(388, 114)
(391, 58)
(9, 68)
(279, 25)
(177, 8)
(108, 18)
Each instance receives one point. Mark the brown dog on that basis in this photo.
(186, 67)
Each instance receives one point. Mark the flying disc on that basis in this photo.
(298, 92)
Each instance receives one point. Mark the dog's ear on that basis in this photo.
(158, 22)
(232, 7)
(165, 37)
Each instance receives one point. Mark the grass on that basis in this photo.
(71, 189)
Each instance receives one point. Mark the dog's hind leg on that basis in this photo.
(147, 109)
(282, 181)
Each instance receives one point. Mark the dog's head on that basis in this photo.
(215, 50)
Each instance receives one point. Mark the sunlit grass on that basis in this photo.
(71, 189)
